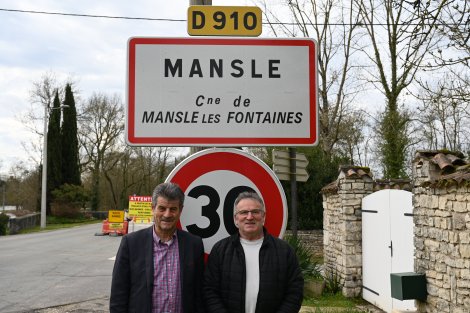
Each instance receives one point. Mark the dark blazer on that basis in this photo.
(132, 281)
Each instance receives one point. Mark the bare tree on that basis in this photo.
(401, 33)
(447, 90)
(41, 95)
(445, 115)
(333, 24)
(101, 122)
(132, 170)
(454, 28)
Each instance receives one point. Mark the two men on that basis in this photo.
(160, 269)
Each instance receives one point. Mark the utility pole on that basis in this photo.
(198, 2)
(44, 169)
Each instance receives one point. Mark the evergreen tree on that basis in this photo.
(394, 142)
(54, 152)
(70, 159)
(322, 169)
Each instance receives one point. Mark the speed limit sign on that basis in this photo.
(212, 179)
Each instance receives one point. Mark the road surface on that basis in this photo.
(53, 268)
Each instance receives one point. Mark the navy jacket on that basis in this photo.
(281, 281)
(132, 281)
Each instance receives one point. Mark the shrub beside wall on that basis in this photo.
(3, 224)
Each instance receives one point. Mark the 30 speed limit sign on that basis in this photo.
(212, 179)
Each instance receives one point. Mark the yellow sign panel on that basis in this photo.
(116, 225)
(207, 20)
(140, 207)
(115, 216)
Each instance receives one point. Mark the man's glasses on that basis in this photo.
(255, 212)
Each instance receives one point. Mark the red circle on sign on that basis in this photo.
(240, 162)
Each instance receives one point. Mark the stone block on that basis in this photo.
(454, 237)
(432, 289)
(458, 221)
(459, 206)
(424, 201)
(442, 203)
(352, 201)
(465, 275)
(349, 210)
(353, 260)
(431, 245)
(443, 213)
(441, 266)
(357, 186)
(444, 293)
(465, 250)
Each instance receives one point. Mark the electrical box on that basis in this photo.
(407, 286)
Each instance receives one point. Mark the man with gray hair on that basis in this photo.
(252, 271)
(159, 269)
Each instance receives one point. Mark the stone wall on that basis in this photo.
(342, 227)
(312, 239)
(23, 222)
(441, 215)
(442, 235)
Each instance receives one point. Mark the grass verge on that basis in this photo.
(53, 223)
(334, 303)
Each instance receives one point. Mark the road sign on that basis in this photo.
(140, 209)
(115, 216)
(211, 180)
(221, 92)
(283, 173)
(204, 20)
(281, 165)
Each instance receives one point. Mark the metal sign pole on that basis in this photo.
(293, 192)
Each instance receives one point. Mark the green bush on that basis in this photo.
(310, 268)
(68, 200)
(3, 224)
(70, 194)
(333, 282)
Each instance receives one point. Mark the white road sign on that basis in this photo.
(221, 92)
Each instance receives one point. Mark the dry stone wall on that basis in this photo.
(441, 214)
(442, 237)
(342, 227)
(312, 240)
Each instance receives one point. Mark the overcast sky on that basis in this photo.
(90, 50)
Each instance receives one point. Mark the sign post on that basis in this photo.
(283, 168)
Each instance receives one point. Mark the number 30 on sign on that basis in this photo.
(212, 179)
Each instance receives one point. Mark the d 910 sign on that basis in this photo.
(224, 21)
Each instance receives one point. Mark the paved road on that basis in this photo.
(49, 269)
(63, 271)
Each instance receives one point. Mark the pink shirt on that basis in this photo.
(166, 293)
